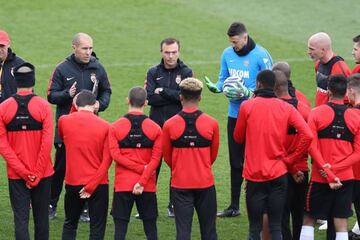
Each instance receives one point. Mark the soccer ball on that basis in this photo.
(232, 84)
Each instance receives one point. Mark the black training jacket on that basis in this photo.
(167, 103)
(69, 71)
(8, 85)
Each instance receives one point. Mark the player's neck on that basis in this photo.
(136, 109)
(282, 94)
(327, 57)
(24, 89)
(357, 100)
(169, 67)
(188, 104)
(87, 108)
(336, 99)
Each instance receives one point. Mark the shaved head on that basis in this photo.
(319, 47)
(281, 84)
(82, 45)
(321, 39)
(283, 67)
(79, 37)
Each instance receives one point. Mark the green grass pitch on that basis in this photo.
(126, 38)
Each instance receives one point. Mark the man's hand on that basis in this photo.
(138, 189)
(232, 93)
(31, 178)
(32, 181)
(97, 106)
(83, 194)
(326, 165)
(335, 185)
(299, 177)
(322, 171)
(236, 90)
(322, 84)
(245, 92)
(211, 86)
(72, 89)
(28, 185)
(158, 90)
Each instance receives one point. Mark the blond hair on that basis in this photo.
(190, 88)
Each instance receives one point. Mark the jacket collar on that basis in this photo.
(90, 64)
(180, 64)
(11, 55)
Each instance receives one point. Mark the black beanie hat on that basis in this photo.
(24, 75)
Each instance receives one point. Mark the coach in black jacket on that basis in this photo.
(162, 82)
(8, 61)
(79, 71)
(162, 86)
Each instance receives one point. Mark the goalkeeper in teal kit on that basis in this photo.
(240, 65)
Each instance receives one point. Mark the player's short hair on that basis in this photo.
(284, 67)
(190, 88)
(85, 98)
(77, 38)
(353, 81)
(137, 96)
(337, 85)
(281, 80)
(236, 28)
(356, 39)
(169, 41)
(266, 78)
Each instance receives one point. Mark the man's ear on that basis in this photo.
(330, 93)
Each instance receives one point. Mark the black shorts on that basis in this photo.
(322, 202)
(146, 204)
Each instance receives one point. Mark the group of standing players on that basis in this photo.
(273, 161)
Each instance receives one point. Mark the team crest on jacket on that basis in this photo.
(178, 79)
(93, 77)
(246, 63)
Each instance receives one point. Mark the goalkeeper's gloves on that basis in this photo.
(211, 86)
(237, 92)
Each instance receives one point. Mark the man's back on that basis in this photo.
(191, 167)
(127, 176)
(333, 151)
(30, 146)
(266, 121)
(84, 135)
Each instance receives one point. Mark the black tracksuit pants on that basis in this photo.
(204, 202)
(294, 207)
(39, 197)
(59, 174)
(236, 157)
(270, 197)
(98, 208)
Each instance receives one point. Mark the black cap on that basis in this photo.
(24, 75)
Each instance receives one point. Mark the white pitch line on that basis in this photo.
(134, 64)
(189, 63)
